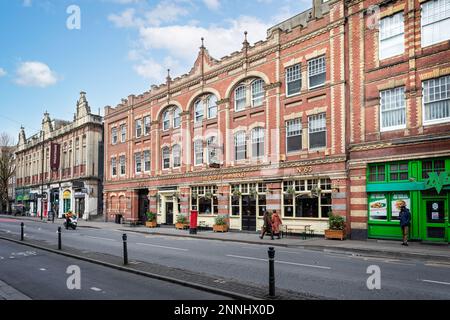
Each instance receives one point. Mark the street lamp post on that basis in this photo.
(42, 175)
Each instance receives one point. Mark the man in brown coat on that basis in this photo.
(267, 225)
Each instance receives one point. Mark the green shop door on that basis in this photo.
(434, 218)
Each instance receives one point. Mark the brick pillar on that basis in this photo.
(358, 211)
(133, 210)
(224, 201)
(273, 196)
(184, 201)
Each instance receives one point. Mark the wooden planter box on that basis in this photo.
(335, 234)
(220, 228)
(151, 224)
(181, 226)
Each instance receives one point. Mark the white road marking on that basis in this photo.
(1, 258)
(438, 282)
(438, 264)
(282, 262)
(154, 245)
(98, 238)
(96, 289)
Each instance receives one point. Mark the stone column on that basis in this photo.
(184, 201)
(273, 196)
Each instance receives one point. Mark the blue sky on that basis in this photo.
(121, 48)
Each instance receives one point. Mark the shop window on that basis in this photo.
(248, 197)
(392, 40)
(293, 80)
(435, 22)
(307, 198)
(398, 171)
(429, 166)
(386, 206)
(377, 173)
(204, 199)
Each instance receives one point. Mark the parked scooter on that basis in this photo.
(73, 221)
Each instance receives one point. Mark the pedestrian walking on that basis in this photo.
(267, 227)
(405, 221)
(276, 222)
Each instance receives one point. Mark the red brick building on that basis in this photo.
(343, 108)
(400, 117)
(261, 129)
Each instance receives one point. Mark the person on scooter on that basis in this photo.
(69, 215)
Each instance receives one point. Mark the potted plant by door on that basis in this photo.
(336, 227)
(151, 220)
(182, 222)
(220, 224)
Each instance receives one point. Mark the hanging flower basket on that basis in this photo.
(236, 193)
(253, 192)
(290, 190)
(208, 195)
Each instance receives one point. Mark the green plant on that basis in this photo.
(236, 192)
(182, 219)
(208, 195)
(336, 222)
(290, 190)
(253, 192)
(151, 216)
(220, 221)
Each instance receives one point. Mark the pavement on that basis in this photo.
(9, 293)
(370, 247)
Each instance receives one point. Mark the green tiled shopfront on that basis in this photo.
(423, 185)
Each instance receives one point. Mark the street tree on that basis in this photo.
(7, 168)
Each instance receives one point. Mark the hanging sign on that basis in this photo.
(55, 156)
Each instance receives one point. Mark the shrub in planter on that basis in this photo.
(151, 220)
(336, 229)
(220, 224)
(182, 222)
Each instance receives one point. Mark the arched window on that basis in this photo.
(198, 151)
(240, 146)
(199, 111)
(177, 118)
(165, 158)
(257, 142)
(240, 98)
(212, 106)
(166, 120)
(257, 93)
(176, 151)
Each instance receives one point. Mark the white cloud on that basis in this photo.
(126, 19)
(220, 41)
(36, 74)
(212, 4)
(164, 12)
(27, 3)
(151, 69)
(2, 72)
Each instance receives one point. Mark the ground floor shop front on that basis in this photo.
(302, 195)
(422, 184)
(79, 197)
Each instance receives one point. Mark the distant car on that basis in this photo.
(18, 210)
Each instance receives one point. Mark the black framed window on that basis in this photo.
(317, 131)
(294, 135)
(293, 80)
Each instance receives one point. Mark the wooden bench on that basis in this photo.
(130, 222)
(304, 230)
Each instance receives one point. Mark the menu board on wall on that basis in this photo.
(378, 207)
(399, 199)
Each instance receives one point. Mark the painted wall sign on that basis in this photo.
(305, 170)
(67, 194)
(226, 176)
(437, 181)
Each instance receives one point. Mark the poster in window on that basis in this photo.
(398, 200)
(378, 207)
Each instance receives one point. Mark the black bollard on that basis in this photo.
(59, 238)
(21, 231)
(271, 272)
(125, 252)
